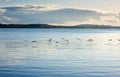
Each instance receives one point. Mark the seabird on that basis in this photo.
(90, 40)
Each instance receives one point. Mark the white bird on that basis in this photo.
(67, 42)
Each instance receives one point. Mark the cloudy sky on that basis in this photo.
(60, 12)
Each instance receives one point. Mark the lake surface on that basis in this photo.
(59, 52)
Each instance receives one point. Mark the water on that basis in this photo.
(59, 53)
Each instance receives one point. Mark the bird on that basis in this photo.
(57, 41)
(110, 40)
(90, 40)
(78, 39)
(67, 41)
(34, 41)
(50, 40)
(118, 39)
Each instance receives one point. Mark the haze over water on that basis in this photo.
(59, 53)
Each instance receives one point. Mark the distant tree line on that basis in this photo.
(54, 26)
(30, 26)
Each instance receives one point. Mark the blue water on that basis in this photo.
(71, 53)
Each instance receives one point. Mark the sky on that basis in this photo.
(60, 12)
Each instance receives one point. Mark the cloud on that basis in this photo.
(30, 7)
(70, 17)
(2, 11)
(5, 19)
(101, 19)
(51, 14)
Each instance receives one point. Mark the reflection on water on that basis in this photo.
(59, 53)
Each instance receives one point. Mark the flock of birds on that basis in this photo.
(67, 42)
(61, 42)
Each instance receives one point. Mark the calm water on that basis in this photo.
(59, 53)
